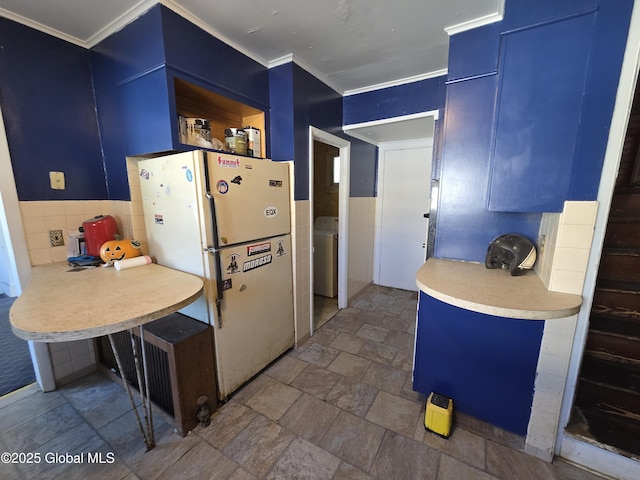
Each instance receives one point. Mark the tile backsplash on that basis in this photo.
(564, 242)
(40, 217)
(69, 360)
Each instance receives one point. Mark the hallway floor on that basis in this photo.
(16, 368)
(338, 407)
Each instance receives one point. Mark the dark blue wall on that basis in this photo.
(417, 97)
(123, 56)
(191, 50)
(281, 99)
(465, 226)
(49, 113)
(300, 100)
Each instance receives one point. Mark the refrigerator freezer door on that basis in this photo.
(251, 197)
(257, 311)
(174, 219)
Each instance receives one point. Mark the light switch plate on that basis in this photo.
(57, 180)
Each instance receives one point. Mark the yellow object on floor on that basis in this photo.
(439, 414)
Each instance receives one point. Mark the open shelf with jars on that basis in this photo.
(222, 113)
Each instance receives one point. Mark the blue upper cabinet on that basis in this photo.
(161, 66)
(200, 77)
(542, 81)
(558, 69)
(474, 53)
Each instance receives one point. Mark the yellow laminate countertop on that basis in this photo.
(58, 305)
(474, 287)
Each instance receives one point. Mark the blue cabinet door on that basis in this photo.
(149, 120)
(542, 74)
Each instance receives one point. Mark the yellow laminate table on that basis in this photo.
(62, 305)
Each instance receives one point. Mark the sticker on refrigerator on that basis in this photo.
(237, 180)
(145, 174)
(271, 211)
(258, 248)
(158, 219)
(256, 263)
(222, 187)
(228, 162)
(280, 252)
(227, 284)
(233, 264)
(189, 175)
(275, 183)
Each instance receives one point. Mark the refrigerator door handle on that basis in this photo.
(215, 249)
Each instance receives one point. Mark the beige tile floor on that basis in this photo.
(338, 407)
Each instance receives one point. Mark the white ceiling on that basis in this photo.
(352, 45)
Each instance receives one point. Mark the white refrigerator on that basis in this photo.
(226, 218)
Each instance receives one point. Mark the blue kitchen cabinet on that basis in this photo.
(486, 364)
(465, 227)
(159, 66)
(153, 102)
(543, 74)
(474, 53)
(146, 114)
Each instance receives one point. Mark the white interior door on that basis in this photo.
(404, 183)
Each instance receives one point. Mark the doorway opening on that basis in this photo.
(329, 207)
(326, 188)
(19, 358)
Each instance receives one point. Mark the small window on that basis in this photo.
(336, 170)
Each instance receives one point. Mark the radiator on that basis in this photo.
(180, 365)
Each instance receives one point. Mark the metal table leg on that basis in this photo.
(146, 430)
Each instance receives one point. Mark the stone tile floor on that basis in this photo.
(338, 407)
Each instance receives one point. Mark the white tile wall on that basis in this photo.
(551, 376)
(564, 243)
(361, 243)
(70, 360)
(300, 228)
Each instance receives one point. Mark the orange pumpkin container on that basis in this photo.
(115, 250)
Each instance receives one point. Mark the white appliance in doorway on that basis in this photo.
(226, 218)
(325, 256)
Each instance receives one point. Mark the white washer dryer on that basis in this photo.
(325, 256)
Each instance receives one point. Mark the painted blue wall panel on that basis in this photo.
(49, 114)
(147, 114)
(299, 100)
(474, 52)
(523, 13)
(281, 99)
(607, 51)
(543, 71)
(314, 104)
(407, 99)
(191, 50)
(135, 49)
(464, 226)
(486, 364)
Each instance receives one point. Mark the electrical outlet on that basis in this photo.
(56, 238)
